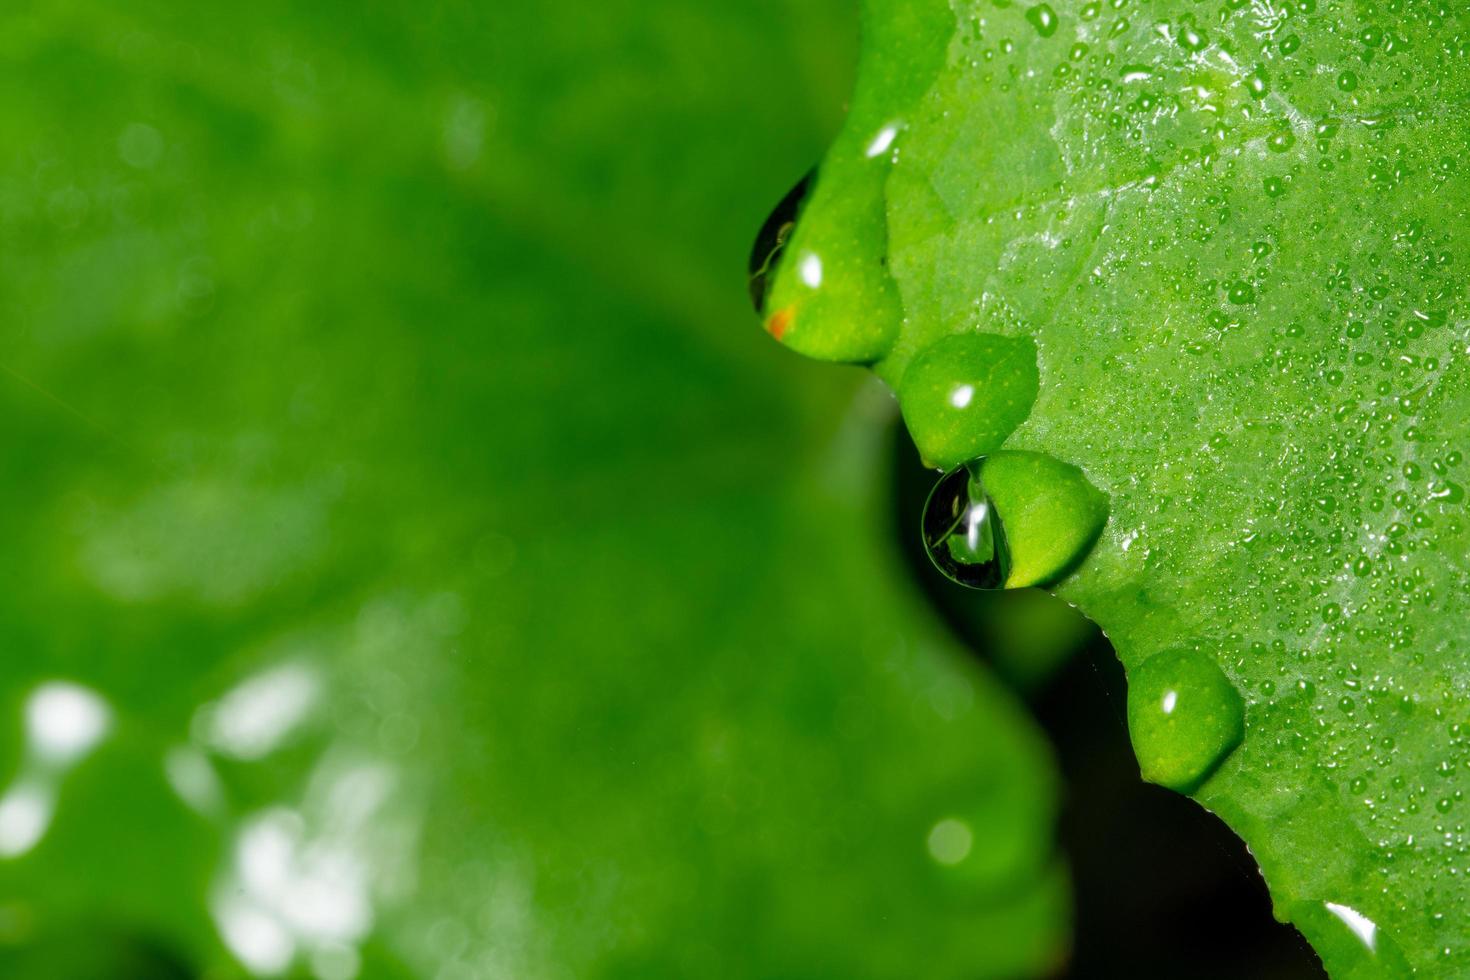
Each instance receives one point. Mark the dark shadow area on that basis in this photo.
(1163, 888)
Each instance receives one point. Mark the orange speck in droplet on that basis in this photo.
(780, 322)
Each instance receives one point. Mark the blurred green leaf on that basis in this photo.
(416, 564)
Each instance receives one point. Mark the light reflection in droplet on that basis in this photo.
(883, 141)
(811, 270)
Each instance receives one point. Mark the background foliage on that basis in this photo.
(455, 582)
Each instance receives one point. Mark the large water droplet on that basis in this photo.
(1012, 520)
(771, 240)
(965, 394)
(1184, 717)
(1350, 943)
(962, 531)
(1043, 18)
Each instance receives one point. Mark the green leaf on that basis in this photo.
(1234, 234)
(413, 563)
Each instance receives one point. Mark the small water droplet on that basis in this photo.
(962, 531)
(1191, 38)
(1280, 141)
(770, 241)
(1184, 717)
(1446, 491)
(1043, 18)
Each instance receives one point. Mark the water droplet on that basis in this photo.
(1349, 942)
(963, 395)
(1043, 18)
(1191, 38)
(1240, 293)
(882, 142)
(1281, 141)
(962, 530)
(771, 240)
(1447, 491)
(1347, 81)
(1256, 85)
(1184, 717)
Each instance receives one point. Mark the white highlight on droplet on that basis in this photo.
(962, 396)
(975, 524)
(811, 269)
(25, 813)
(883, 140)
(65, 721)
(1363, 927)
(1171, 698)
(255, 718)
(950, 841)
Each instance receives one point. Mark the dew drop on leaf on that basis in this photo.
(1349, 941)
(1240, 293)
(1184, 717)
(1043, 18)
(962, 531)
(770, 241)
(964, 395)
(1281, 141)
(1191, 38)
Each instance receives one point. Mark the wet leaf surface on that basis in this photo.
(1233, 235)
